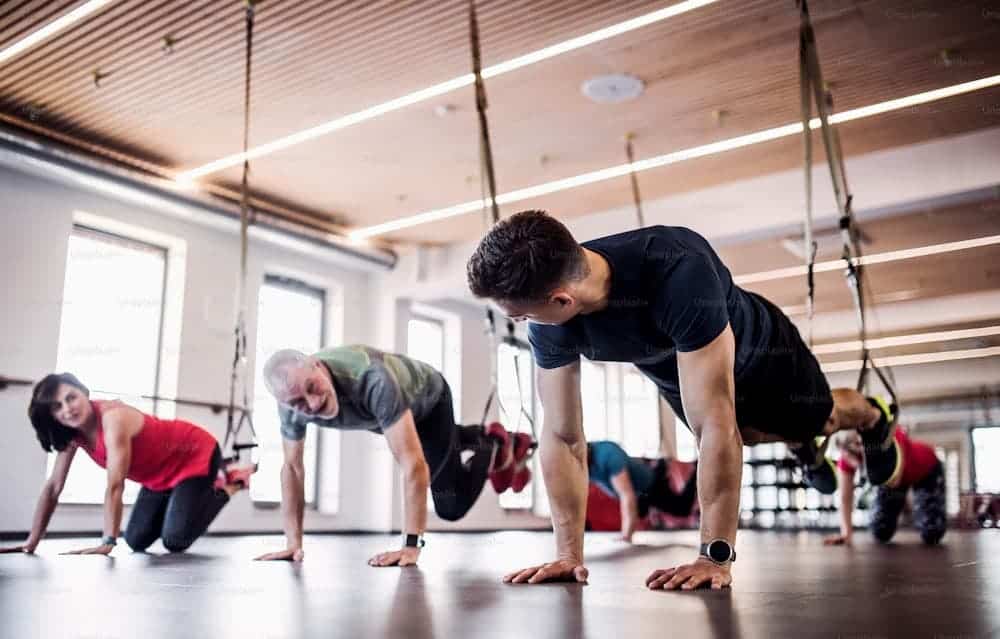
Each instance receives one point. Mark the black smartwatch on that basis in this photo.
(719, 551)
(109, 540)
(414, 541)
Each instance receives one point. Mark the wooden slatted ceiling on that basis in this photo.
(315, 60)
(538, 112)
(968, 271)
(951, 117)
(18, 19)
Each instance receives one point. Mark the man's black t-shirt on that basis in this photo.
(669, 292)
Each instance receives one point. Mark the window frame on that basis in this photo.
(420, 317)
(524, 348)
(121, 240)
(297, 285)
(972, 455)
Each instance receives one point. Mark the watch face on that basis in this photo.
(720, 551)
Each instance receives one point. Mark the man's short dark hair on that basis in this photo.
(524, 258)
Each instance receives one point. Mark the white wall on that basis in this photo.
(36, 218)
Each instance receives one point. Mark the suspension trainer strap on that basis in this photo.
(634, 179)
(525, 412)
(809, 244)
(810, 68)
(238, 375)
(485, 148)
(491, 334)
(488, 183)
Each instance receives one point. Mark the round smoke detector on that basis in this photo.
(613, 88)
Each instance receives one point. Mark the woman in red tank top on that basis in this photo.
(178, 464)
(918, 468)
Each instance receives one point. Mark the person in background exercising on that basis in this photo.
(361, 388)
(178, 464)
(637, 485)
(731, 365)
(919, 469)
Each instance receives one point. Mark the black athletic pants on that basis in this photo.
(662, 497)
(455, 486)
(177, 516)
(929, 515)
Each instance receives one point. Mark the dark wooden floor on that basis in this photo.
(786, 585)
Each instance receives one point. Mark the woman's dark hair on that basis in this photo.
(51, 434)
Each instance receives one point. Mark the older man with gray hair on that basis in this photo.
(361, 388)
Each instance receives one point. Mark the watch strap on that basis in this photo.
(414, 541)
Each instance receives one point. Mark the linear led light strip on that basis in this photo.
(52, 28)
(444, 87)
(875, 258)
(906, 340)
(918, 358)
(677, 157)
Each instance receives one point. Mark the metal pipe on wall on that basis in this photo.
(45, 158)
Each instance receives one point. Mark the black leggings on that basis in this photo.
(455, 486)
(179, 515)
(929, 514)
(663, 498)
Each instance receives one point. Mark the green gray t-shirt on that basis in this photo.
(373, 389)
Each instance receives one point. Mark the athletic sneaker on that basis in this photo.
(883, 461)
(817, 469)
(881, 436)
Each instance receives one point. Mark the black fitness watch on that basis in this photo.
(109, 540)
(719, 551)
(414, 541)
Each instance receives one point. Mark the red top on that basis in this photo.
(919, 459)
(164, 452)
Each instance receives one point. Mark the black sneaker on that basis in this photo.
(822, 477)
(817, 469)
(880, 437)
(883, 462)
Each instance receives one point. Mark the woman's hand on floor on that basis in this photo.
(103, 549)
(23, 548)
(288, 554)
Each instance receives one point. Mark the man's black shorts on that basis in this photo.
(784, 392)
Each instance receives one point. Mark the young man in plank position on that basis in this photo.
(730, 363)
(361, 388)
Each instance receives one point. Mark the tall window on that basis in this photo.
(985, 452)
(687, 446)
(290, 314)
(425, 342)
(949, 457)
(110, 334)
(516, 394)
(620, 404)
(641, 411)
(594, 399)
